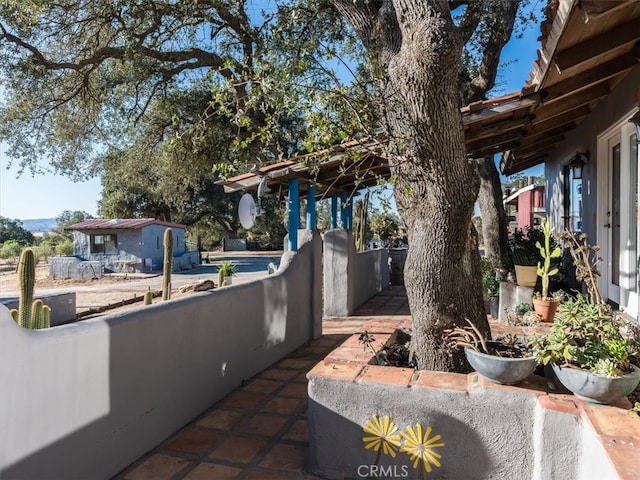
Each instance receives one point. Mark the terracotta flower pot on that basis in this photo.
(545, 309)
(526, 276)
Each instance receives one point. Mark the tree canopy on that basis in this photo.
(162, 98)
(12, 229)
(157, 94)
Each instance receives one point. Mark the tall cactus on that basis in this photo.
(168, 264)
(148, 297)
(361, 231)
(27, 279)
(31, 313)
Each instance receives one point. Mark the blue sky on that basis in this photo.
(44, 196)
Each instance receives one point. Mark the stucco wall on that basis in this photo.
(63, 306)
(85, 400)
(490, 432)
(350, 277)
(153, 243)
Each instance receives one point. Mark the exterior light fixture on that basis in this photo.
(636, 121)
(577, 163)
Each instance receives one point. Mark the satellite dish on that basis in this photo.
(247, 211)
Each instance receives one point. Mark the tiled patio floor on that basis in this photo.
(259, 432)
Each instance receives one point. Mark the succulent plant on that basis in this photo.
(548, 253)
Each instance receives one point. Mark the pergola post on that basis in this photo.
(311, 207)
(334, 211)
(294, 214)
(346, 207)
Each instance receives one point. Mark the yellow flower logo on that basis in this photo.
(382, 434)
(420, 448)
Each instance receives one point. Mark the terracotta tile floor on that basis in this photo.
(260, 430)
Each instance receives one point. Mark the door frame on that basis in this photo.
(622, 129)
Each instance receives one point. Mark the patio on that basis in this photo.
(259, 432)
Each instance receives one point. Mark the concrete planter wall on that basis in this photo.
(489, 431)
(85, 400)
(63, 306)
(351, 278)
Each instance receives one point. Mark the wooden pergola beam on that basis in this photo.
(628, 33)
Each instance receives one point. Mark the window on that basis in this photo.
(107, 244)
(572, 201)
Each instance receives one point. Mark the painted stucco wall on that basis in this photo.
(84, 400)
(153, 243)
(488, 433)
(350, 277)
(63, 306)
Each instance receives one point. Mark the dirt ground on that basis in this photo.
(116, 288)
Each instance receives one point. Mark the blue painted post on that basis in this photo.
(294, 214)
(344, 210)
(334, 211)
(311, 207)
(350, 215)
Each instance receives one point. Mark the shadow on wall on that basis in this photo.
(459, 450)
(85, 400)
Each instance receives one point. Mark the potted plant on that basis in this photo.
(490, 286)
(590, 347)
(525, 256)
(544, 305)
(505, 361)
(226, 270)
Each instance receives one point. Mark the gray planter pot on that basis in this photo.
(596, 388)
(502, 370)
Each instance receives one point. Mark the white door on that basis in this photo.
(618, 229)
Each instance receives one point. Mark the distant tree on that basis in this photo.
(58, 235)
(44, 250)
(10, 251)
(270, 228)
(68, 217)
(13, 230)
(384, 225)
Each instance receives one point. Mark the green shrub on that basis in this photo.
(10, 250)
(65, 248)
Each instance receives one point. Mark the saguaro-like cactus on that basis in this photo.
(27, 279)
(168, 264)
(30, 314)
(148, 297)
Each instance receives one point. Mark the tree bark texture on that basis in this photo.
(494, 219)
(415, 51)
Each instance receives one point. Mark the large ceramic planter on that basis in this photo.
(596, 388)
(545, 309)
(502, 370)
(526, 276)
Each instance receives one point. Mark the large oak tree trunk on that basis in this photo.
(416, 51)
(494, 219)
